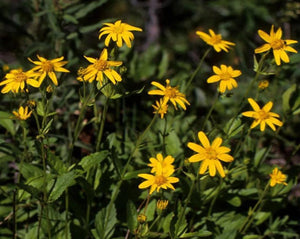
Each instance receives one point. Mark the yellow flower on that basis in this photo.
(49, 67)
(161, 179)
(17, 79)
(278, 45)
(81, 72)
(5, 67)
(170, 93)
(262, 116)
(100, 66)
(263, 84)
(22, 113)
(210, 155)
(225, 75)
(141, 218)
(162, 204)
(215, 40)
(160, 108)
(277, 177)
(118, 32)
(160, 161)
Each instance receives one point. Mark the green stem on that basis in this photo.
(103, 118)
(197, 69)
(187, 200)
(252, 212)
(154, 222)
(117, 188)
(215, 198)
(209, 112)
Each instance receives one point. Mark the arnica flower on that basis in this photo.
(161, 179)
(118, 32)
(162, 204)
(278, 45)
(210, 155)
(160, 161)
(277, 177)
(160, 108)
(16, 80)
(49, 67)
(170, 93)
(22, 113)
(100, 66)
(262, 116)
(141, 218)
(215, 40)
(263, 84)
(225, 75)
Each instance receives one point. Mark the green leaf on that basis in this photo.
(151, 210)
(105, 223)
(134, 174)
(40, 108)
(167, 222)
(30, 171)
(163, 66)
(88, 8)
(93, 159)
(261, 217)
(286, 96)
(196, 234)
(235, 201)
(70, 18)
(260, 155)
(180, 225)
(233, 127)
(6, 122)
(62, 183)
(131, 214)
(251, 237)
(248, 191)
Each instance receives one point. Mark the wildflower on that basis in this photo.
(170, 93)
(17, 80)
(277, 177)
(215, 40)
(160, 161)
(262, 116)
(263, 84)
(161, 179)
(278, 45)
(22, 113)
(142, 218)
(162, 204)
(5, 67)
(100, 66)
(160, 108)
(49, 67)
(118, 32)
(225, 75)
(31, 103)
(81, 72)
(49, 89)
(210, 155)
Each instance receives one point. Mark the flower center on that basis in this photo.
(225, 76)
(47, 66)
(100, 65)
(119, 29)
(171, 92)
(216, 39)
(20, 76)
(263, 115)
(160, 180)
(211, 153)
(277, 44)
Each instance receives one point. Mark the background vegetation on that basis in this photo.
(79, 193)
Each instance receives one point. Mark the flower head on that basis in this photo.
(170, 93)
(210, 155)
(99, 67)
(262, 116)
(118, 32)
(162, 204)
(263, 84)
(161, 179)
(225, 75)
(277, 177)
(49, 67)
(160, 161)
(22, 113)
(215, 40)
(160, 108)
(17, 79)
(278, 45)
